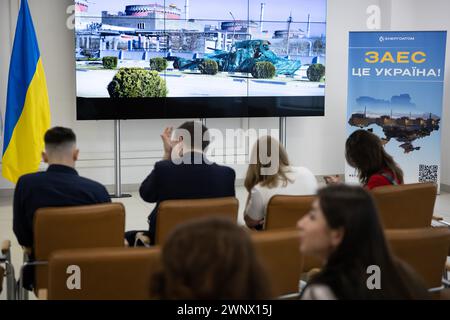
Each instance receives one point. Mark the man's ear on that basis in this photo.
(76, 153)
(44, 157)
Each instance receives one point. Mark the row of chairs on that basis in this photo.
(126, 273)
(107, 271)
(103, 225)
(400, 207)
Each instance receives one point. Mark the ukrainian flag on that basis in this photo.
(27, 106)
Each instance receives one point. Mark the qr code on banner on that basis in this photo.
(428, 173)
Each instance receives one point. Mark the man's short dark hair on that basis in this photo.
(58, 136)
(191, 126)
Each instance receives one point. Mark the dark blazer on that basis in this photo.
(170, 181)
(58, 186)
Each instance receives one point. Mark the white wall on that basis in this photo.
(317, 143)
(432, 16)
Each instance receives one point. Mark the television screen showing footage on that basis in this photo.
(200, 58)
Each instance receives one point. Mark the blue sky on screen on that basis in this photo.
(275, 10)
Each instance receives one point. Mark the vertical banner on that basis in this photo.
(395, 90)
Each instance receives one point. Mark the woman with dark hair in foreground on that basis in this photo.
(210, 259)
(344, 231)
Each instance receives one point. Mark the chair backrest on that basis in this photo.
(279, 253)
(406, 206)
(59, 228)
(104, 273)
(284, 211)
(174, 212)
(425, 250)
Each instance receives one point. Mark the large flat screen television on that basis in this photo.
(161, 59)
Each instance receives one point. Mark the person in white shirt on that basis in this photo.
(283, 180)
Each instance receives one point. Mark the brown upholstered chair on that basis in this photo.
(284, 211)
(425, 250)
(406, 206)
(93, 226)
(279, 253)
(174, 212)
(105, 273)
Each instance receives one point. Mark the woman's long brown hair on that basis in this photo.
(365, 152)
(353, 210)
(254, 172)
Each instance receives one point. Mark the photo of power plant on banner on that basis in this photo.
(200, 48)
(405, 128)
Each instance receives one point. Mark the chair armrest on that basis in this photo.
(6, 246)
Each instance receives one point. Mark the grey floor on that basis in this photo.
(136, 214)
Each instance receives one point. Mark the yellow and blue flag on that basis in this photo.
(27, 107)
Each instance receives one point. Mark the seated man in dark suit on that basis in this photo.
(184, 173)
(59, 186)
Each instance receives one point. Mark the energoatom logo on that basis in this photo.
(398, 38)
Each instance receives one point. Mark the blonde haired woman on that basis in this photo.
(283, 179)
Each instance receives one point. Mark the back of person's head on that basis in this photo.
(194, 134)
(269, 164)
(210, 259)
(355, 241)
(365, 152)
(60, 146)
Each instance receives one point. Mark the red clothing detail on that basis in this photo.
(378, 180)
